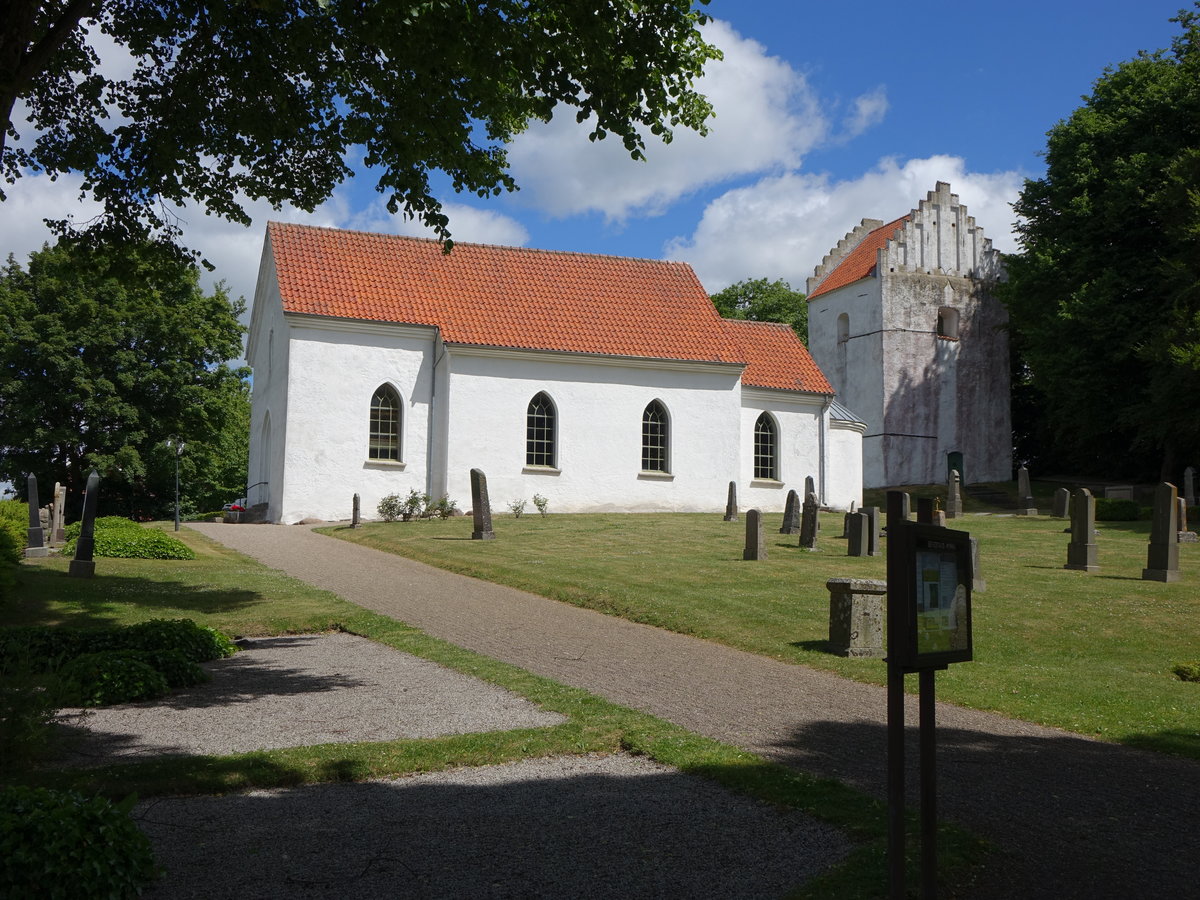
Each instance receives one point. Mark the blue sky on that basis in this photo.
(826, 114)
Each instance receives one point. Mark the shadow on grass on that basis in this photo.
(815, 646)
(50, 596)
(1072, 817)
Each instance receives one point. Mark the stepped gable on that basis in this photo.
(776, 357)
(936, 238)
(492, 296)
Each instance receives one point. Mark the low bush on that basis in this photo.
(28, 703)
(112, 676)
(47, 648)
(1188, 671)
(59, 844)
(198, 643)
(117, 537)
(177, 669)
(444, 508)
(389, 507)
(14, 534)
(1113, 509)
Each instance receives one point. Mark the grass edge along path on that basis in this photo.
(595, 725)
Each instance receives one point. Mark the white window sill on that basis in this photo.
(385, 464)
(541, 470)
(656, 476)
(765, 483)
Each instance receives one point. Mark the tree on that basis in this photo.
(267, 99)
(1105, 297)
(105, 354)
(759, 300)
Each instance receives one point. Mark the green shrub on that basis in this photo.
(198, 643)
(1188, 671)
(444, 508)
(112, 676)
(117, 537)
(1113, 509)
(415, 504)
(59, 844)
(389, 507)
(27, 706)
(177, 669)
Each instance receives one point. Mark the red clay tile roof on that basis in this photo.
(860, 262)
(775, 357)
(502, 296)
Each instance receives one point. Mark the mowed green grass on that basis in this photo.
(1089, 652)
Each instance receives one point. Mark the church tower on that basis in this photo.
(903, 321)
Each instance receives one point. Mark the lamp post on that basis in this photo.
(179, 447)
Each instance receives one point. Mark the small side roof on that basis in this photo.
(775, 357)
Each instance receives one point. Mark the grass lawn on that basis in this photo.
(238, 596)
(1091, 653)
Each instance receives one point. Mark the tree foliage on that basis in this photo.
(105, 353)
(270, 98)
(759, 300)
(1105, 298)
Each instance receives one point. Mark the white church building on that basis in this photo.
(383, 365)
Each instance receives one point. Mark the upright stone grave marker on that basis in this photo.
(36, 536)
(791, 514)
(872, 514)
(856, 616)
(858, 529)
(953, 496)
(731, 506)
(1162, 555)
(83, 565)
(1186, 536)
(1025, 505)
(1062, 504)
(756, 547)
(1081, 552)
(810, 486)
(354, 513)
(58, 531)
(924, 510)
(1189, 485)
(481, 508)
(978, 583)
(808, 522)
(846, 519)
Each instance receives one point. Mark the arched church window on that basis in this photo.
(541, 425)
(843, 328)
(766, 460)
(384, 442)
(655, 438)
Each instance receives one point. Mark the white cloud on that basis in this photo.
(782, 226)
(767, 116)
(869, 110)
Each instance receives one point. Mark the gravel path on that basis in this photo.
(1072, 817)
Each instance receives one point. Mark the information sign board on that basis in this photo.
(932, 599)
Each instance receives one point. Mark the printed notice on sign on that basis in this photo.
(941, 601)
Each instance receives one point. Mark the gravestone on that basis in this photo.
(859, 534)
(1189, 485)
(846, 519)
(355, 522)
(899, 505)
(83, 565)
(36, 535)
(756, 547)
(872, 514)
(731, 508)
(856, 616)
(1081, 552)
(953, 496)
(978, 583)
(481, 508)
(1162, 554)
(1025, 504)
(808, 523)
(1119, 492)
(791, 514)
(1062, 504)
(1186, 536)
(810, 486)
(58, 528)
(929, 513)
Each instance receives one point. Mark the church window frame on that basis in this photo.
(656, 438)
(766, 448)
(947, 323)
(843, 328)
(386, 424)
(541, 432)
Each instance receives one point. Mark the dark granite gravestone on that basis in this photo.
(872, 514)
(858, 527)
(1162, 555)
(810, 486)
(355, 522)
(1062, 504)
(808, 522)
(36, 535)
(791, 514)
(924, 510)
(846, 519)
(481, 508)
(1081, 552)
(731, 506)
(83, 565)
(953, 496)
(1025, 505)
(856, 616)
(756, 548)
